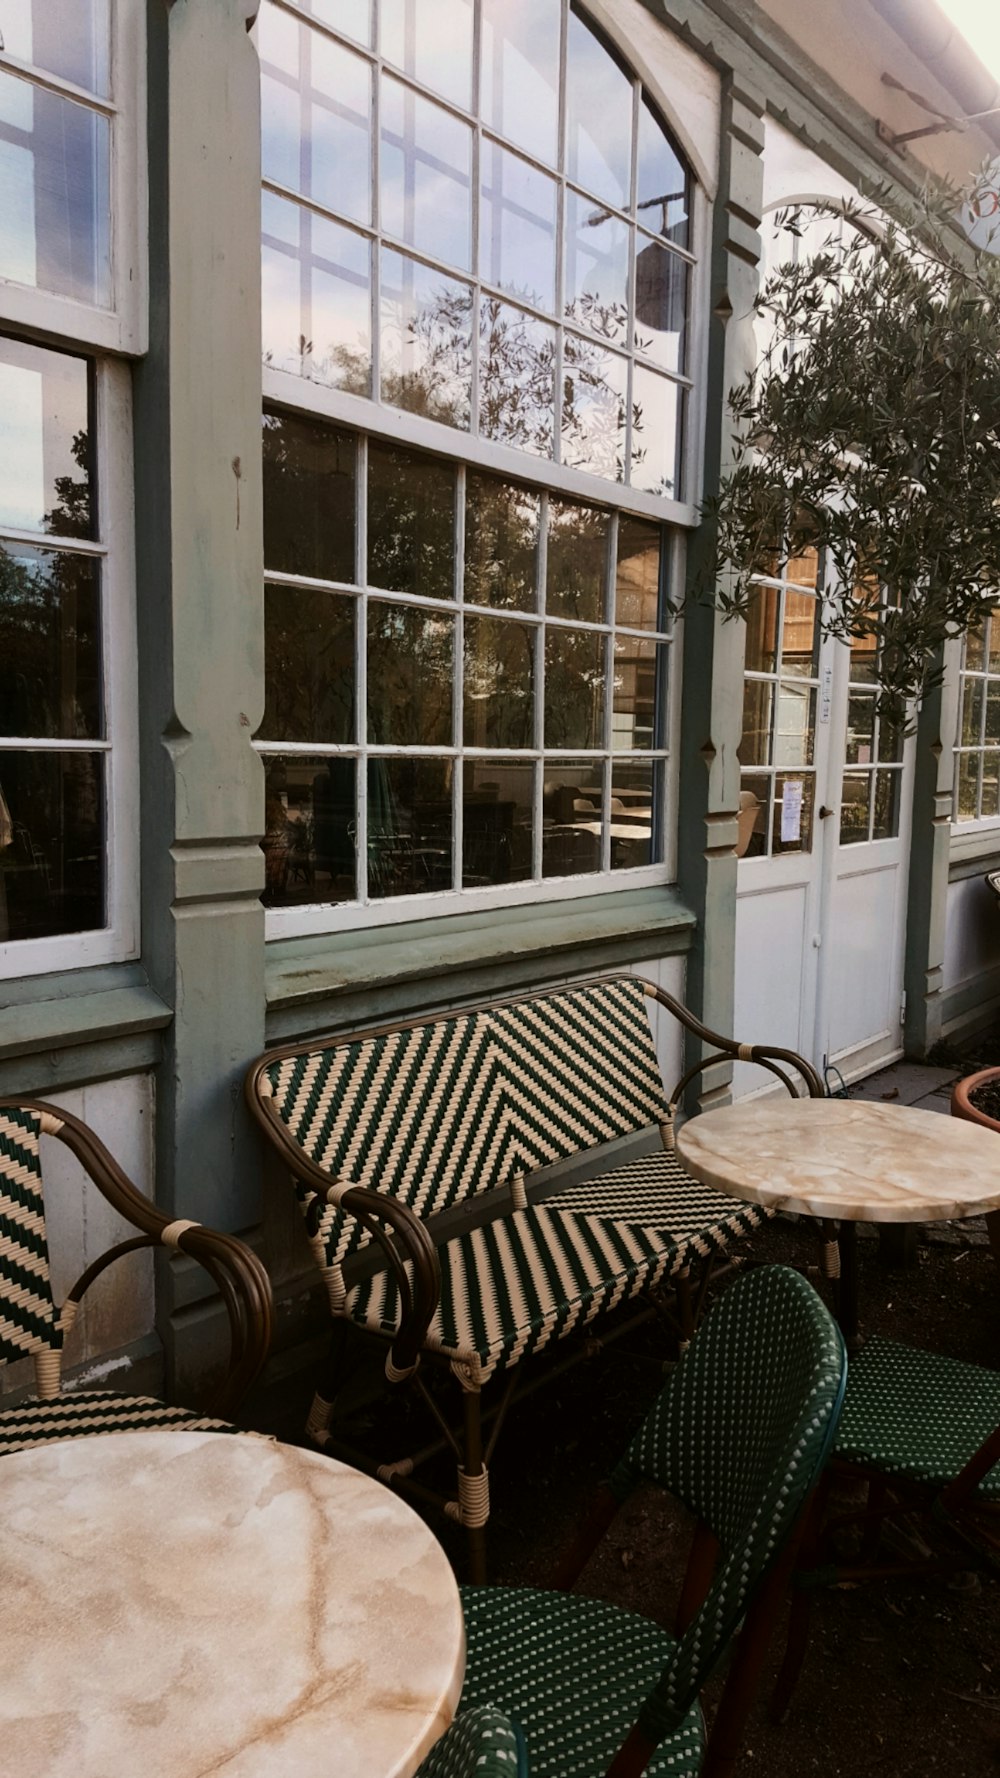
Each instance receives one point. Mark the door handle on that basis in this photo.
(823, 811)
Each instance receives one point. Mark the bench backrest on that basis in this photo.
(439, 1112)
(28, 1318)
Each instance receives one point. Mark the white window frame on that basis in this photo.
(970, 835)
(663, 64)
(122, 327)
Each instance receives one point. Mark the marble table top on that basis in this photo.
(179, 1603)
(849, 1159)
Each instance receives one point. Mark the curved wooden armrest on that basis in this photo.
(765, 1055)
(235, 1270)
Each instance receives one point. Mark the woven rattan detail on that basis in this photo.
(27, 1312)
(441, 1112)
(918, 1415)
(90, 1412)
(480, 1743)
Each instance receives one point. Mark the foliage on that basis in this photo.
(871, 430)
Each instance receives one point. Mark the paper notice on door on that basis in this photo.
(791, 810)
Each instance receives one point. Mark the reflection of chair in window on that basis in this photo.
(750, 836)
(488, 841)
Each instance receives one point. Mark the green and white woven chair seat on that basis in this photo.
(510, 1287)
(917, 1415)
(90, 1412)
(480, 1743)
(657, 1195)
(574, 1673)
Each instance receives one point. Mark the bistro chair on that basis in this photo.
(923, 1433)
(739, 1435)
(480, 1743)
(33, 1324)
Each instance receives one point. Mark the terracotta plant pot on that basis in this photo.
(961, 1101)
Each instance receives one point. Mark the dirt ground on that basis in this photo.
(902, 1680)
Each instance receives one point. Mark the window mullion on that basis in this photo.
(361, 675)
(458, 684)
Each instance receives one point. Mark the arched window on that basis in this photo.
(477, 261)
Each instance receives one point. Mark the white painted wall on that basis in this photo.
(972, 932)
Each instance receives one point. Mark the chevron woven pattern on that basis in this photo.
(918, 1415)
(444, 1111)
(480, 1743)
(655, 1195)
(27, 1312)
(511, 1286)
(93, 1411)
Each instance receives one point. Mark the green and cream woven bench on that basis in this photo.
(33, 1325)
(438, 1138)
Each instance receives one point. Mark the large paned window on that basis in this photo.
(67, 703)
(871, 785)
(977, 749)
(777, 751)
(477, 267)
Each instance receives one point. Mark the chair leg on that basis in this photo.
(573, 1561)
(474, 1486)
(726, 1737)
(321, 1412)
(797, 1642)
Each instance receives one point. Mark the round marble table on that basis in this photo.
(846, 1160)
(177, 1603)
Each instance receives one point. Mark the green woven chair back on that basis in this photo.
(28, 1315)
(740, 1435)
(437, 1113)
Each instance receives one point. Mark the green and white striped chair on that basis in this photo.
(480, 1743)
(33, 1325)
(740, 1435)
(415, 1126)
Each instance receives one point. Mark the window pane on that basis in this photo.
(854, 797)
(990, 784)
(52, 872)
(661, 182)
(571, 819)
(315, 115)
(636, 826)
(516, 377)
(886, 816)
(596, 268)
(410, 670)
(310, 823)
(309, 497)
(55, 193)
(795, 725)
(595, 384)
(574, 688)
(661, 304)
(577, 565)
(50, 645)
(425, 175)
(44, 456)
(972, 712)
(65, 37)
(598, 117)
(992, 732)
(803, 567)
(753, 818)
(352, 17)
(431, 43)
(637, 581)
(426, 336)
(316, 297)
(638, 675)
(758, 703)
(890, 739)
(975, 646)
(501, 543)
(309, 658)
(993, 664)
(517, 227)
(411, 523)
(519, 94)
(792, 814)
(409, 826)
(656, 429)
(968, 786)
(499, 683)
(497, 807)
(800, 638)
(859, 747)
(762, 630)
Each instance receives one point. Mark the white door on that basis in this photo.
(824, 814)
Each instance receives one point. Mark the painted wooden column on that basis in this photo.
(711, 720)
(930, 852)
(200, 608)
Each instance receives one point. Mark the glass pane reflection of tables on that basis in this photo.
(846, 1161)
(177, 1602)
